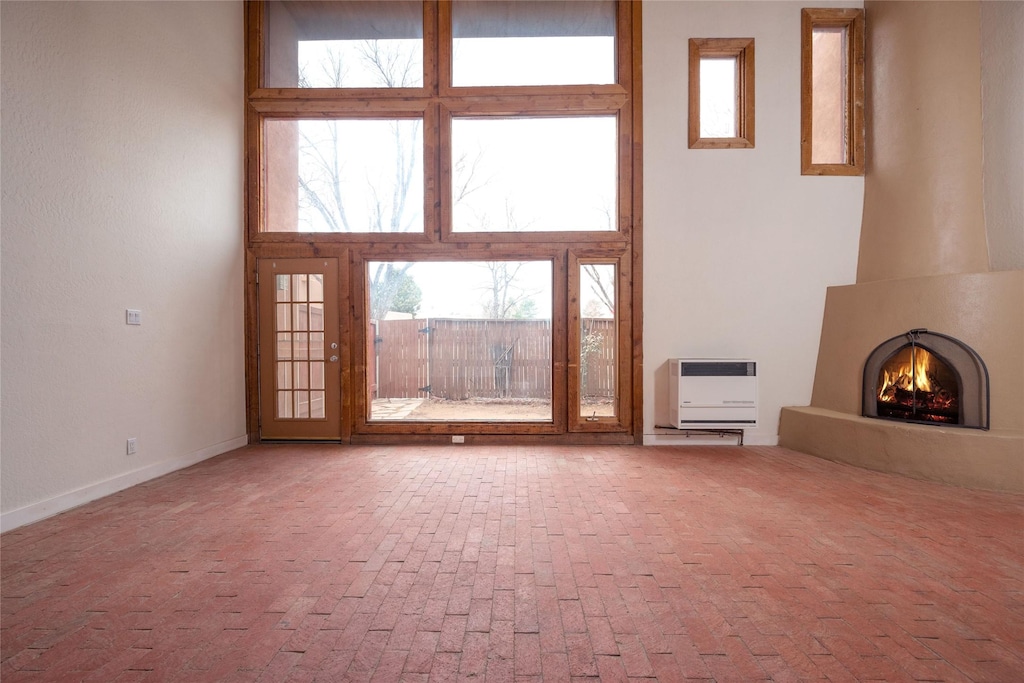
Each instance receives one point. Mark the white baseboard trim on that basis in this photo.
(66, 501)
(668, 438)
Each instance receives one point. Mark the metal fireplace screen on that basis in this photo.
(928, 378)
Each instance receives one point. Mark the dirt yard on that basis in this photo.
(493, 409)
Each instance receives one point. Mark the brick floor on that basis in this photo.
(328, 563)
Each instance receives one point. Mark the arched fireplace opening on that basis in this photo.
(928, 378)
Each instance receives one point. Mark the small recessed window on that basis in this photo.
(721, 93)
(832, 101)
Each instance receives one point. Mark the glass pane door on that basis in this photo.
(300, 382)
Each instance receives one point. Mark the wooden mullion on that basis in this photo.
(431, 45)
(295, 250)
(324, 238)
(330, 94)
(356, 397)
(347, 318)
(436, 183)
(255, 156)
(254, 46)
(560, 354)
(624, 75)
(444, 171)
(444, 48)
(301, 107)
(624, 161)
(574, 393)
(623, 42)
(568, 237)
(624, 343)
(252, 385)
(541, 104)
(634, 378)
(383, 250)
(494, 252)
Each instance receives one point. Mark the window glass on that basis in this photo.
(299, 354)
(718, 97)
(344, 175)
(534, 174)
(459, 341)
(352, 44)
(828, 135)
(598, 341)
(540, 42)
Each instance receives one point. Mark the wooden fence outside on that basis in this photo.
(458, 359)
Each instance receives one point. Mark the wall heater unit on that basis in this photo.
(712, 393)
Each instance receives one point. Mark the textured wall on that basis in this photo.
(122, 188)
(739, 248)
(922, 192)
(1002, 90)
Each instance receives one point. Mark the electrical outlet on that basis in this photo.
(132, 446)
(132, 317)
(458, 438)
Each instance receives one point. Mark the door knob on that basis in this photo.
(333, 359)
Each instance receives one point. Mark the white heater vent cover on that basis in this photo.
(712, 393)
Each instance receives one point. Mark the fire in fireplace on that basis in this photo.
(926, 377)
(916, 385)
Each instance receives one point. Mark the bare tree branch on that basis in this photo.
(604, 291)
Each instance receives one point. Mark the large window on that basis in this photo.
(344, 175)
(473, 167)
(533, 174)
(461, 341)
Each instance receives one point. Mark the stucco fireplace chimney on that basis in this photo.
(924, 258)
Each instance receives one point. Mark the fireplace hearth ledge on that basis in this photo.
(970, 458)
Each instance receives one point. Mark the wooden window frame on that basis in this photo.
(578, 422)
(853, 21)
(437, 103)
(742, 49)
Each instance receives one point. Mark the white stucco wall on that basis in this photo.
(738, 246)
(1002, 93)
(122, 153)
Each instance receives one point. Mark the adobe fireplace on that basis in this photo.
(930, 258)
(927, 377)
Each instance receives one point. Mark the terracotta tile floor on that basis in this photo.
(299, 563)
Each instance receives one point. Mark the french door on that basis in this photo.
(299, 349)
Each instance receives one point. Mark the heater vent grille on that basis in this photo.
(717, 369)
